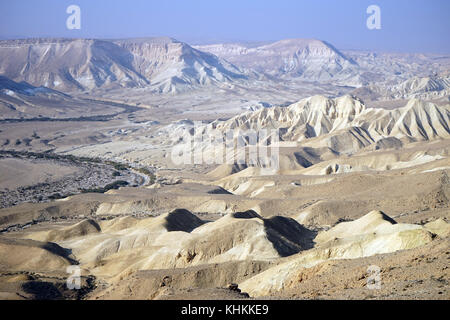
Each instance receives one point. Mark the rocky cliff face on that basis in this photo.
(169, 64)
(68, 64)
(166, 64)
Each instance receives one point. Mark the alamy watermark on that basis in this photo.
(73, 281)
(374, 279)
(374, 20)
(73, 22)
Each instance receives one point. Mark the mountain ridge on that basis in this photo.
(304, 58)
(344, 124)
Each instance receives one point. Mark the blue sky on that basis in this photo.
(406, 25)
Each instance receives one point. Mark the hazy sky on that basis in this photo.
(406, 25)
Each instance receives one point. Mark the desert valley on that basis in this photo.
(359, 179)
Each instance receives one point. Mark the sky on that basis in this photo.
(406, 25)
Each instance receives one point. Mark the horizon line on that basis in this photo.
(211, 42)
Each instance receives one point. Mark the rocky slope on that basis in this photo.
(67, 64)
(431, 87)
(168, 64)
(309, 59)
(178, 251)
(84, 64)
(316, 60)
(341, 125)
(21, 100)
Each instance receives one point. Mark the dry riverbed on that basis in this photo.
(40, 177)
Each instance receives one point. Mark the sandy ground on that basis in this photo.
(265, 233)
(18, 172)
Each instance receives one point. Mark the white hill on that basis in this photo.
(308, 59)
(82, 64)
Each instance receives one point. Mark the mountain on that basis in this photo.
(66, 64)
(22, 100)
(11, 88)
(316, 60)
(164, 64)
(168, 63)
(430, 87)
(392, 68)
(347, 240)
(344, 125)
(308, 59)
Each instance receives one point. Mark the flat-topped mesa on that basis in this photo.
(156, 50)
(164, 64)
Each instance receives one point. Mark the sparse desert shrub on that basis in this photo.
(147, 173)
(115, 185)
(27, 141)
(55, 196)
(119, 166)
